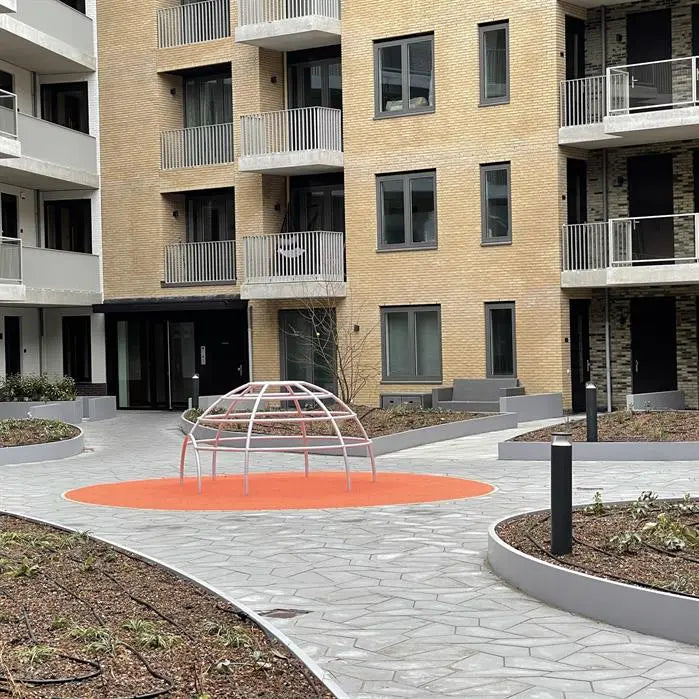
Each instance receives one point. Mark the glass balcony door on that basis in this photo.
(316, 84)
(210, 216)
(208, 100)
(320, 208)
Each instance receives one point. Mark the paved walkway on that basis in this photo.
(400, 600)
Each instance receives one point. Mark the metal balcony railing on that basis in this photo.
(8, 114)
(262, 11)
(583, 101)
(193, 23)
(196, 146)
(200, 263)
(309, 256)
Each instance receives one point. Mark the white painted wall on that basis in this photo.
(23, 87)
(26, 209)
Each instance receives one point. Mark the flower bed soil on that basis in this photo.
(376, 421)
(25, 431)
(73, 608)
(627, 426)
(657, 546)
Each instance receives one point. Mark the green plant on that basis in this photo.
(597, 508)
(688, 506)
(25, 569)
(645, 503)
(680, 583)
(89, 563)
(626, 542)
(36, 654)
(17, 387)
(90, 633)
(148, 635)
(60, 622)
(236, 637)
(671, 534)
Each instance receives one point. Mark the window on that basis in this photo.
(77, 355)
(495, 71)
(68, 225)
(496, 214)
(210, 216)
(407, 211)
(500, 339)
(78, 5)
(307, 340)
(65, 104)
(208, 100)
(7, 82)
(411, 343)
(404, 76)
(316, 84)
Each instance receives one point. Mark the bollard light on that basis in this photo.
(591, 411)
(561, 493)
(195, 391)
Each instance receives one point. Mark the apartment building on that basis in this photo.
(466, 190)
(50, 244)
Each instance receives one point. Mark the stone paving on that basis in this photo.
(400, 600)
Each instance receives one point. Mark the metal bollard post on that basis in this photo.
(561, 493)
(591, 411)
(195, 391)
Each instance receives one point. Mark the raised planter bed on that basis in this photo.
(387, 444)
(43, 451)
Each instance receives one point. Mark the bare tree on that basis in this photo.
(336, 341)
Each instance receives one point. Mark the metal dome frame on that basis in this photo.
(299, 393)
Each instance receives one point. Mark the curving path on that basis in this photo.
(399, 600)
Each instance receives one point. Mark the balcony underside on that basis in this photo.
(10, 147)
(8, 5)
(634, 129)
(291, 34)
(30, 48)
(30, 173)
(294, 290)
(627, 275)
(308, 162)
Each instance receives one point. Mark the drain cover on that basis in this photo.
(285, 613)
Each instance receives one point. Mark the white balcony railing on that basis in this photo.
(10, 260)
(262, 11)
(193, 23)
(643, 240)
(291, 130)
(8, 114)
(200, 263)
(583, 101)
(312, 256)
(196, 146)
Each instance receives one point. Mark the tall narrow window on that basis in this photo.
(495, 70)
(77, 353)
(501, 357)
(496, 213)
(407, 212)
(68, 225)
(65, 104)
(411, 341)
(404, 76)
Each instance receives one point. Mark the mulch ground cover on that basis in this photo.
(650, 542)
(22, 432)
(81, 619)
(376, 421)
(627, 426)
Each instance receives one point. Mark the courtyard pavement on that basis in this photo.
(399, 599)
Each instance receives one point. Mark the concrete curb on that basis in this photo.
(48, 451)
(403, 440)
(627, 606)
(603, 451)
(265, 625)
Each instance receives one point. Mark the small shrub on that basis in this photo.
(597, 508)
(36, 654)
(626, 542)
(645, 503)
(33, 387)
(25, 569)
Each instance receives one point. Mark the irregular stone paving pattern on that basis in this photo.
(401, 600)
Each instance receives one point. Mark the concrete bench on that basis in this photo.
(476, 395)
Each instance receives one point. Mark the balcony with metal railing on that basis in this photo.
(308, 264)
(289, 25)
(636, 251)
(9, 140)
(193, 23)
(307, 140)
(199, 264)
(196, 146)
(632, 104)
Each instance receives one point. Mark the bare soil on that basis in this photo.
(376, 421)
(25, 431)
(657, 544)
(81, 619)
(627, 426)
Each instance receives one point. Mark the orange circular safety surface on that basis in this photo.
(280, 491)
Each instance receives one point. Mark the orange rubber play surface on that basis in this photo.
(280, 491)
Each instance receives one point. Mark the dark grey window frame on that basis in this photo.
(488, 339)
(485, 238)
(405, 177)
(403, 42)
(484, 29)
(412, 311)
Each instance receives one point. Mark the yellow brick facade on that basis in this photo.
(460, 275)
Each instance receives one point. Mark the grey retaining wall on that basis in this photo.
(538, 406)
(603, 451)
(49, 451)
(628, 606)
(395, 442)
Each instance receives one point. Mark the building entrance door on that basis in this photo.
(579, 351)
